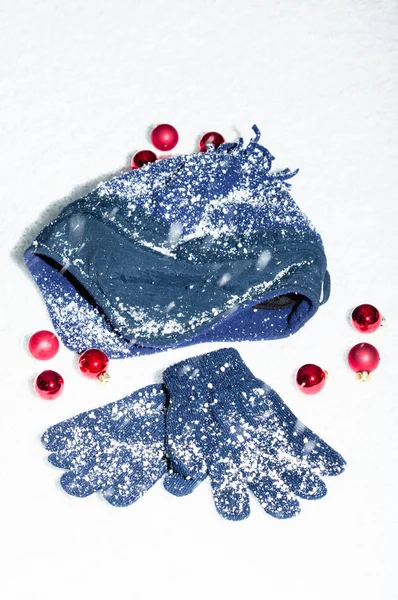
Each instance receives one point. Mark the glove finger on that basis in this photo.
(78, 441)
(295, 472)
(81, 483)
(76, 458)
(275, 498)
(112, 416)
(130, 486)
(97, 475)
(312, 453)
(62, 461)
(229, 492)
(78, 430)
(305, 442)
(57, 436)
(262, 405)
(80, 453)
(305, 484)
(273, 494)
(182, 486)
(183, 448)
(302, 482)
(320, 455)
(90, 444)
(227, 481)
(299, 442)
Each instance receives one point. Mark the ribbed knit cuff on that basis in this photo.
(223, 367)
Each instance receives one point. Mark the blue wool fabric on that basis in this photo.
(225, 423)
(211, 418)
(202, 247)
(117, 449)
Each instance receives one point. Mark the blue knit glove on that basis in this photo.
(224, 422)
(117, 449)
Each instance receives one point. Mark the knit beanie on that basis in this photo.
(201, 247)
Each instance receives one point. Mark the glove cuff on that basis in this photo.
(200, 373)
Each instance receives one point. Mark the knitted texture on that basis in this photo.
(225, 423)
(181, 251)
(221, 421)
(117, 449)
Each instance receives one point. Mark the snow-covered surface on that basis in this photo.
(81, 86)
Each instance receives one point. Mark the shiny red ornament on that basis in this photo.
(363, 359)
(43, 345)
(212, 137)
(311, 379)
(49, 385)
(93, 364)
(143, 157)
(164, 137)
(366, 318)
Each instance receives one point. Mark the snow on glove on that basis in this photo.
(117, 449)
(224, 422)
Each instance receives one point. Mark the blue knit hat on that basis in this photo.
(202, 247)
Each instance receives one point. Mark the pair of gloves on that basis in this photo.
(210, 417)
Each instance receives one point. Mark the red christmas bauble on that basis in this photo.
(43, 345)
(93, 364)
(143, 157)
(366, 318)
(49, 385)
(311, 379)
(164, 137)
(212, 137)
(363, 359)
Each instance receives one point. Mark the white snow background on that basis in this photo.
(82, 83)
